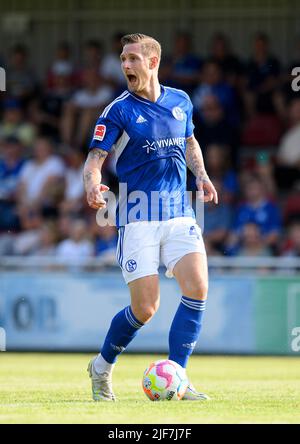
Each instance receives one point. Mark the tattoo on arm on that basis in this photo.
(96, 153)
(92, 167)
(194, 159)
(87, 177)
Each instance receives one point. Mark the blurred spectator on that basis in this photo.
(252, 242)
(288, 171)
(92, 53)
(111, 67)
(292, 205)
(11, 163)
(106, 242)
(41, 179)
(292, 248)
(13, 123)
(218, 168)
(74, 189)
(212, 126)
(289, 152)
(263, 71)
(81, 111)
(27, 241)
(62, 65)
(77, 247)
(64, 223)
(21, 79)
(185, 68)
(221, 53)
(47, 110)
(7, 244)
(264, 168)
(257, 209)
(165, 70)
(47, 242)
(212, 83)
(262, 130)
(217, 222)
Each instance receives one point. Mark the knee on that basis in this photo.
(196, 289)
(144, 312)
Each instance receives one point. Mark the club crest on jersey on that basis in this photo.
(178, 113)
(130, 265)
(99, 132)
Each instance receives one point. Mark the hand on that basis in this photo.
(95, 198)
(206, 189)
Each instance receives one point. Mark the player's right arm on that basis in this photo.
(108, 130)
(92, 178)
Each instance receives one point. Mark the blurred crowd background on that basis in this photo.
(247, 120)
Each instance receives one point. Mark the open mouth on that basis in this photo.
(131, 78)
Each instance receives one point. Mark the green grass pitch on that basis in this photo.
(55, 388)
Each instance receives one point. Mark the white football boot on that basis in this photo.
(192, 395)
(101, 384)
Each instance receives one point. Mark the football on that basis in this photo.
(164, 380)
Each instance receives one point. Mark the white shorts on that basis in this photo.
(143, 246)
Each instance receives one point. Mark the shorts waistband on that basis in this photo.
(174, 220)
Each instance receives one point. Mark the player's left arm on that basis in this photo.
(195, 162)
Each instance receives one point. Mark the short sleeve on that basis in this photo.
(107, 131)
(189, 123)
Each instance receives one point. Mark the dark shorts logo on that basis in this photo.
(193, 230)
(130, 265)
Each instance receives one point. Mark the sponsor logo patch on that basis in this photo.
(164, 145)
(99, 132)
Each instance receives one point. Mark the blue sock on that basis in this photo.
(185, 329)
(122, 330)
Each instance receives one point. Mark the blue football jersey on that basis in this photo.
(149, 142)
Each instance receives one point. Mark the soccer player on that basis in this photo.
(150, 127)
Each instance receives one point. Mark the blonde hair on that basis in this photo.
(149, 44)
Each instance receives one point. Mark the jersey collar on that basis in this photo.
(142, 99)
